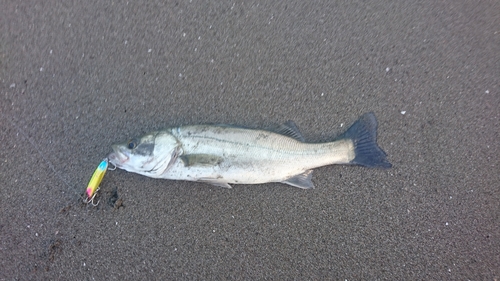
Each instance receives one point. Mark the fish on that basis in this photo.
(222, 155)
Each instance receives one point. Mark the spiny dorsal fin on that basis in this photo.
(291, 130)
(301, 180)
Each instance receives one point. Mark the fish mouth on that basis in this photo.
(117, 157)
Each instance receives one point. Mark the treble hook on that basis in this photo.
(91, 199)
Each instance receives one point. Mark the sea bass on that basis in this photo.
(223, 154)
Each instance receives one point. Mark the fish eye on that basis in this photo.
(131, 144)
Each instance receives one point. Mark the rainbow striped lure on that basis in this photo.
(95, 180)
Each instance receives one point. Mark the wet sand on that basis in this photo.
(78, 76)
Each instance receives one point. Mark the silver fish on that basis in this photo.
(221, 154)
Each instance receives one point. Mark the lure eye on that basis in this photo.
(132, 144)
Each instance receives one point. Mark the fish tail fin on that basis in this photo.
(363, 134)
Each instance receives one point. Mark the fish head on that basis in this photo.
(147, 155)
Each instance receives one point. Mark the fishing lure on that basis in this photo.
(95, 180)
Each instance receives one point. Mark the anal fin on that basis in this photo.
(301, 180)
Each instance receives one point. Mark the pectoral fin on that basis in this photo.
(301, 180)
(201, 160)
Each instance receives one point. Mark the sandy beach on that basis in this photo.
(79, 76)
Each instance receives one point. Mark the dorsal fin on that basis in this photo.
(291, 130)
